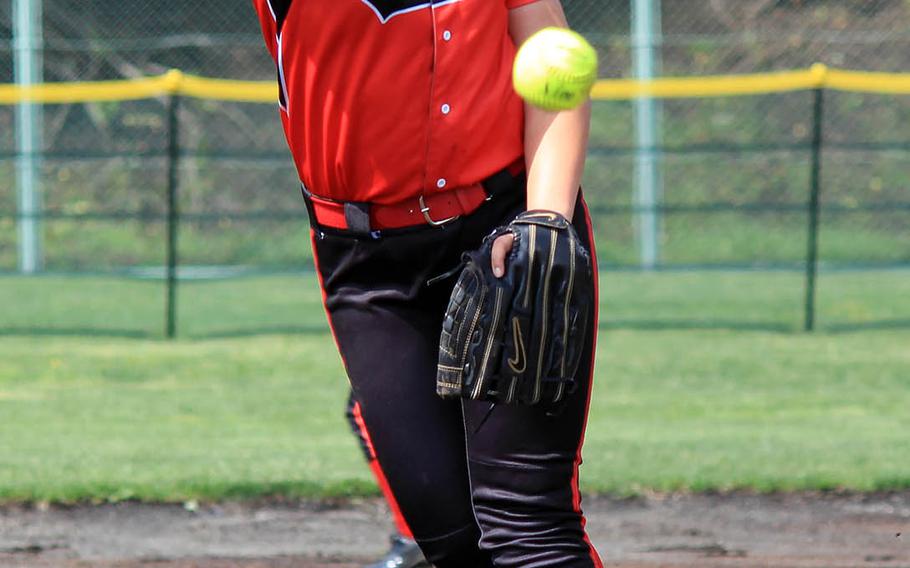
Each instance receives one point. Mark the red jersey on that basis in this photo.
(384, 100)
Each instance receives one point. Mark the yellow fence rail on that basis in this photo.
(178, 83)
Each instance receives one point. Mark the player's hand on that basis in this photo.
(501, 248)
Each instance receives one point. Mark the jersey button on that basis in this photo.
(446, 109)
(446, 35)
(441, 183)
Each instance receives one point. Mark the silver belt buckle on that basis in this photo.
(426, 215)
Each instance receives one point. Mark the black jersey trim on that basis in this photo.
(279, 12)
(385, 10)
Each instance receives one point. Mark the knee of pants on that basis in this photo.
(458, 549)
(530, 517)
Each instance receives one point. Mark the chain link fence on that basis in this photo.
(730, 215)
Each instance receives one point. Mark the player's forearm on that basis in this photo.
(555, 149)
(555, 143)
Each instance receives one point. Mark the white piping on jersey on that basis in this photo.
(384, 20)
(284, 86)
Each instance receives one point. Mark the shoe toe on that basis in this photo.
(404, 554)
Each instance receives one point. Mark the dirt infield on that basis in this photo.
(742, 531)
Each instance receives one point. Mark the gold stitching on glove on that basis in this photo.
(545, 304)
(532, 240)
(565, 322)
(520, 348)
(497, 312)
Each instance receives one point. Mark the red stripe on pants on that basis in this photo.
(402, 525)
(576, 494)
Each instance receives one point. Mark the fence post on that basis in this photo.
(646, 39)
(173, 217)
(818, 116)
(28, 35)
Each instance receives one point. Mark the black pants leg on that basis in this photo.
(524, 463)
(386, 321)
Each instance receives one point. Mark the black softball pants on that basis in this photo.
(478, 486)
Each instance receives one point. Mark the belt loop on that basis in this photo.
(357, 217)
(501, 181)
(311, 212)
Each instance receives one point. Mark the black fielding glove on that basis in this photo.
(519, 338)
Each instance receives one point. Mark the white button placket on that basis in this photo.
(444, 108)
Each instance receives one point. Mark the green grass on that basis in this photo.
(90, 419)
(703, 384)
(719, 410)
(117, 419)
(770, 300)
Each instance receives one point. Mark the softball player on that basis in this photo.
(412, 146)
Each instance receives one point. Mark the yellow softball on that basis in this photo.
(555, 69)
